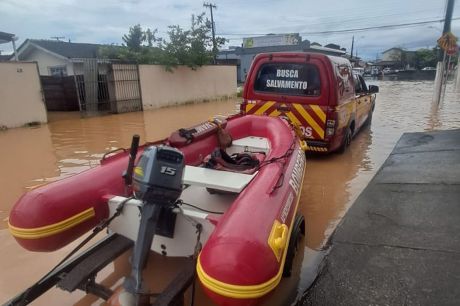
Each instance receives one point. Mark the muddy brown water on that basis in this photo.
(69, 144)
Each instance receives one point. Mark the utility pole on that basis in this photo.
(441, 73)
(214, 48)
(352, 45)
(448, 19)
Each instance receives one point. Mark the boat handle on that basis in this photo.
(278, 238)
(111, 152)
(280, 242)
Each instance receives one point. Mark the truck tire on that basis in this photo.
(369, 116)
(346, 141)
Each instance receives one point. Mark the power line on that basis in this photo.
(390, 26)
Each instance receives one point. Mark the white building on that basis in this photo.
(57, 58)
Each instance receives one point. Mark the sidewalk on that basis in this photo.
(399, 244)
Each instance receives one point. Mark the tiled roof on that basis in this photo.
(68, 49)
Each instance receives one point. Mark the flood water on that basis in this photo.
(68, 145)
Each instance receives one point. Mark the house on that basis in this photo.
(57, 58)
(397, 58)
(292, 42)
(4, 58)
(8, 38)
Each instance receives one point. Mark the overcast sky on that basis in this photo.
(105, 21)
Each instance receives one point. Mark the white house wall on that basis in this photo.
(21, 95)
(161, 88)
(46, 60)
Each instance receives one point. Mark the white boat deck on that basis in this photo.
(215, 179)
(225, 180)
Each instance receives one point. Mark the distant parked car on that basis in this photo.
(387, 70)
(429, 68)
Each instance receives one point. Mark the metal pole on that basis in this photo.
(352, 45)
(440, 72)
(14, 48)
(448, 19)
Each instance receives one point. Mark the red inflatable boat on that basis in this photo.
(250, 219)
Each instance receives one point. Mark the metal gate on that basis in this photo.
(60, 93)
(105, 87)
(124, 88)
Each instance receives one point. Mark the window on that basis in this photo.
(288, 78)
(58, 71)
(360, 84)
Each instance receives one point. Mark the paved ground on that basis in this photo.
(399, 244)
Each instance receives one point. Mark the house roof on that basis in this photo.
(64, 49)
(6, 37)
(394, 48)
(5, 58)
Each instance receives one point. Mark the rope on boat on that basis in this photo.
(181, 202)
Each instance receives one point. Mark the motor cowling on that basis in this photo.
(157, 178)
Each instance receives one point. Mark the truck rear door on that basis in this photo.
(290, 87)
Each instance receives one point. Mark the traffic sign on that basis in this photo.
(452, 50)
(448, 41)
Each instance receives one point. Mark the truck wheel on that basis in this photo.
(346, 141)
(298, 231)
(369, 117)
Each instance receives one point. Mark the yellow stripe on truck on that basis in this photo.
(319, 112)
(309, 119)
(249, 107)
(263, 108)
(293, 118)
(275, 113)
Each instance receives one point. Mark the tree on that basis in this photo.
(191, 47)
(425, 58)
(134, 38)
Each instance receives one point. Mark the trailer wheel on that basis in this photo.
(298, 231)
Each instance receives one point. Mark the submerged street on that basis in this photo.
(69, 144)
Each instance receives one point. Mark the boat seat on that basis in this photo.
(216, 179)
(251, 144)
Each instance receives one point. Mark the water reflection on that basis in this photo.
(327, 188)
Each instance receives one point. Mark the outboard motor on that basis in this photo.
(157, 182)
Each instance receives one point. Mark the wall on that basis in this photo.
(45, 60)
(161, 88)
(20, 95)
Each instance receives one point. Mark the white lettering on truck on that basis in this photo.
(287, 73)
(286, 84)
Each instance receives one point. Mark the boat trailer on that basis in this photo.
(80, 273)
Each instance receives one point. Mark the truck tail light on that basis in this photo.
(330, 127)
(330, 123)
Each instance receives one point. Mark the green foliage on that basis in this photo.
(425, 58)
(191, 47)
(134, 38)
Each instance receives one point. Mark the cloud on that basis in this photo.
(105, 21)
